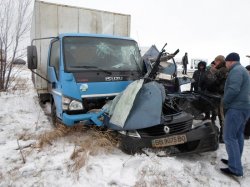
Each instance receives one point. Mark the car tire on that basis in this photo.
(130, 145)
(187, 147)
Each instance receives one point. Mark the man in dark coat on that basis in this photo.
(247, 126)
(199, 77)
(185, 63)
(236, 103)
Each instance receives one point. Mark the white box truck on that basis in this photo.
(80, 58)
(50, 20)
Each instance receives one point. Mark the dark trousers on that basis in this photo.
(220, 113)
(247, 128)
(184, 69)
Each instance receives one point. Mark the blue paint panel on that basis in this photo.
(72, 89)
(105, 87)
(92, 117)
(66, 85)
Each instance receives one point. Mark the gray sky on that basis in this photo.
(203, 28)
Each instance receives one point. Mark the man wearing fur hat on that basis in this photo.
(215, 81)
(236, 103)
(221, 73)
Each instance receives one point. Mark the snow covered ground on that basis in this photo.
(62, 162)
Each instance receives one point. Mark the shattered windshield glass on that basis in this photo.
(97, 53)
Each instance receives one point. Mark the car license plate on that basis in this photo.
(168, 141)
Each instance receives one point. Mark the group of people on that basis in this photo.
(212, 79)
(227, 78)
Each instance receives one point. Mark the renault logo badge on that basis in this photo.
(166, 129)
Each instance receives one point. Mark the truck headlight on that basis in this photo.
(75, 105)
(71, 104)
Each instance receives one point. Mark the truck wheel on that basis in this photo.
(54, 119)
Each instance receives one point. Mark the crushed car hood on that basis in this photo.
(145, 110)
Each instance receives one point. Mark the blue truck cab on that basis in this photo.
(85, 71)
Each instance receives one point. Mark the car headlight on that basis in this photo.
(123, 132)
(71, 104)
(132, 133)
(200, 123)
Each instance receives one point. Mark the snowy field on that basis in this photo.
(33, 153)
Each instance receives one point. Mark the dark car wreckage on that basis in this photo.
(154, 114)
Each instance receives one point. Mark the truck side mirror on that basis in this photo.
(32, 57)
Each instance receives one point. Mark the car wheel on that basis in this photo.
(190, 146)
(131, 145)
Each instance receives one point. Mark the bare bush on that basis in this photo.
(18, 84)
(96, 142)
(88, 140)
(15, 22)
(50, 136)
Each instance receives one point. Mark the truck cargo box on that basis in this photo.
(50, 20)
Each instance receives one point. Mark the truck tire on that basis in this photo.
(54, 118)
(43, 98)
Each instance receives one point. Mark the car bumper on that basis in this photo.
(200, 139)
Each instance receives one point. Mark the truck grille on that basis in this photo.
(158, 130)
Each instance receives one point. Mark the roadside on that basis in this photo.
(73, 159)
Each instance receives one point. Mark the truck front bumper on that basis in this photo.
(70, 120)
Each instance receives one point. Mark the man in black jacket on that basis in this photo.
(185, 63)
(199, 77)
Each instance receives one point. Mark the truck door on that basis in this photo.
(54, 76)
(54, 62)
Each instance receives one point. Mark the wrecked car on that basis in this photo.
(153, 113)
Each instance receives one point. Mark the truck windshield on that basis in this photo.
(101, 54)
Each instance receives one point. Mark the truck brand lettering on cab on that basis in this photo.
(113, 78)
